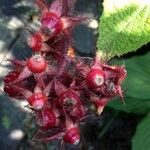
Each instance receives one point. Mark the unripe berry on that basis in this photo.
(37, 100)
(95, 78)
(35, 42)
(72, 136)
(37, 64)
(46, 118)
(51, 22)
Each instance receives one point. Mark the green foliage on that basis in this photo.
(138, 82)
(6, 122)
(138, 96)
(141, 139)
(132, 105)
(138, 86)
(124, 27)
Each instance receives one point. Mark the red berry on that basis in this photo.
(72, 136)
(37, 64)
(51, 23)
(69, 98)
(35, 42)
(37, 100)
(95, 78)
(46, 118)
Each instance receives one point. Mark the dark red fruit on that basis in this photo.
(95, 78)
(35, 42)
(37, 64)
(51, 23)
(37, 100)
(72, 136)
(46, 118)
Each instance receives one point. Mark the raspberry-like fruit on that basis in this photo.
(46, 118)
(72, 136)
(37, 100)
(35, 42)
(51, 23)
(95, 78)
(37, 64)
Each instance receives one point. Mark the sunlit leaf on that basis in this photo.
(124, 27)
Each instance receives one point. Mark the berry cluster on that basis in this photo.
(60, 87)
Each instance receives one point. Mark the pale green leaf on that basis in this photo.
(124, 27)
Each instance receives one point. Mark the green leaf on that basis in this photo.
(124, 27)
(131, 105)
(137, 84)
(141, 139)
(138, 77)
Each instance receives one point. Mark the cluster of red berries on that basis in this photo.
(60, 87)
